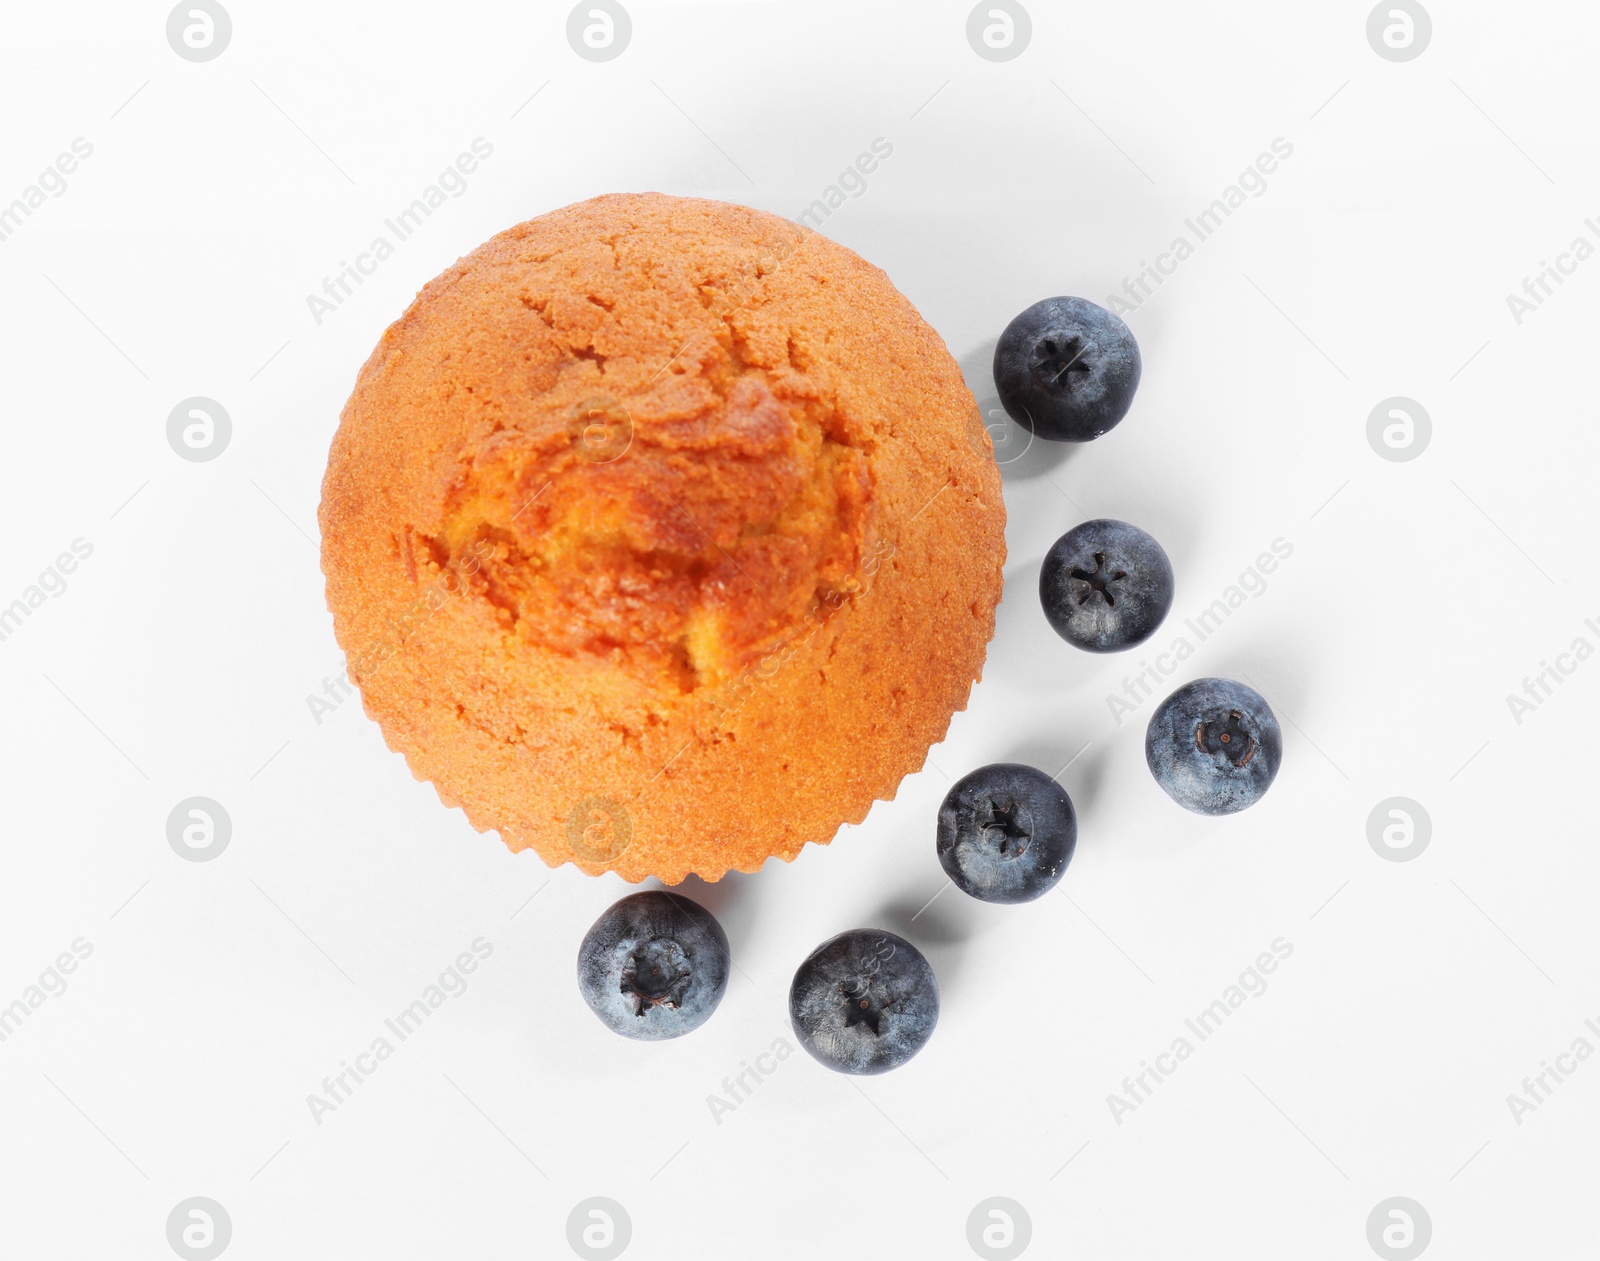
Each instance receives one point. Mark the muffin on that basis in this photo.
(663, 536)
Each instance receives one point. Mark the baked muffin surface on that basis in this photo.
(662, 535)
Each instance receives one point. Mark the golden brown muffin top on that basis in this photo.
(597, 501)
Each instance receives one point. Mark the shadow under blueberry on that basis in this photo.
(1017, 451)
(734, 901)
(1281, 679)
(1276, 673)
(940, 929)
(1083, 780)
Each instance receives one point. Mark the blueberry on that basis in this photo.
(1214, 746)
(1006, 833)
(654, 966)
(1066, 369)
(864, 1002)
(1106, 586)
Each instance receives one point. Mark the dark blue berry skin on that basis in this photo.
(864, 1002)
(1106, 586)
(654, 966)
(1066, 369)
(1214, 746)
(1006, 833)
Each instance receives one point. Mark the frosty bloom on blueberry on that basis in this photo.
(1105, 586)
(1006, 833)
(864, 1002)
(1214, 746)
(654, 966)
(1066, 369)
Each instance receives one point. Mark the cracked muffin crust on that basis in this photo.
(662, 535)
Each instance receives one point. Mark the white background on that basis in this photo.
(178, 661)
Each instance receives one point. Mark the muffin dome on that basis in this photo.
(662, 536)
